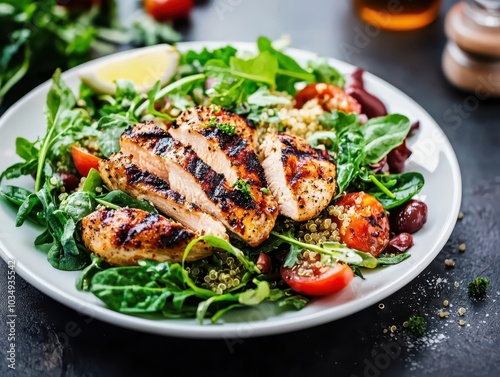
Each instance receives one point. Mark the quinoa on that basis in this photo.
(301, 122)
(323, 228)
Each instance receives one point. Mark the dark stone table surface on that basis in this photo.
(53, 340)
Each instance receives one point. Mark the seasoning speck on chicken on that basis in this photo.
(301, 178)
(122, 237)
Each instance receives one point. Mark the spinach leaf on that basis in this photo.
(403, 186)
(92, 181)
(383, 134)
(78, 205)
(386, 259)
(117, 198)
(17, 196)
(84, 280)
(350, 155)
(129, 290)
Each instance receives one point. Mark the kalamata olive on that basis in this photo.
(69, 181)
(397, 157)
(264, 263)
(410, 217)
(400, 243)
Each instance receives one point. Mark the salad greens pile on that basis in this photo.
(250, 86)
(42, 35)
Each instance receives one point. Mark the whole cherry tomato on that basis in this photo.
(163, 10)
(329, 96)
(364, 225)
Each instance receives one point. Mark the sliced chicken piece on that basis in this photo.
(227, 152)
(300, 177)
(156, 151)
(121, 237)
(119, 173)
(214, 116)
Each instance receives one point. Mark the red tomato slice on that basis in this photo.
(312, 278)
(329, 96)
(163, 10)
(367, 226)
(84, 161)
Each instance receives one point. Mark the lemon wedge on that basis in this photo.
(143, 66)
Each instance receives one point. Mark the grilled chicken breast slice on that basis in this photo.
(156, 151)
(119, 173)
(223, 140)
(121, 237)
(300, 177)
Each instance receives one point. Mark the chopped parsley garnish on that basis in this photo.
(227, 128)
(265, 190)
(216, 109)
(478, 286)
(417, 326)
(213, 122)
(243, 186)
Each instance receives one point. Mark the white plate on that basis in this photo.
(433, 156)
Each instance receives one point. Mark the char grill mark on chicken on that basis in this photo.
(123, 236)
(227, 153)
(119, 173)
(156, 151)
(300, 177)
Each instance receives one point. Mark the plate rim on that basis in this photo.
(241, 329)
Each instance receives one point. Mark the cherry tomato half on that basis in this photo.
(367, 225)
(329, 96)
(163, 10)
(310, 277)
(84, 161)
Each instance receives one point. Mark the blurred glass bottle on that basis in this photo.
(398, 14)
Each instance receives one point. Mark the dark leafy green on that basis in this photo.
(403, 186)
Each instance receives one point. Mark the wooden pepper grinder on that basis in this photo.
(471, 59)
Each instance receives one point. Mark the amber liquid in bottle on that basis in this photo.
(398, 14)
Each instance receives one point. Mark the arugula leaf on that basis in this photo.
(324, 72)
(289, 71)
(61, 118)
(224, 245)
(262, 68)
(255, 296)
(263, 98)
